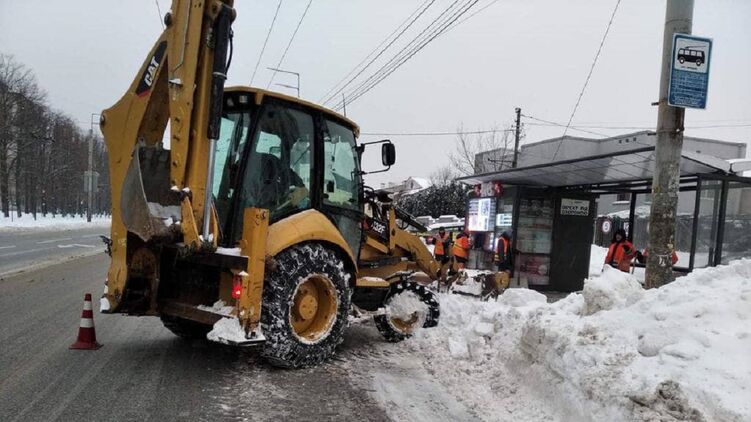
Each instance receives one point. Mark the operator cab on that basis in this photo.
(285, 155)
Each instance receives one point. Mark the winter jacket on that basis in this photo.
(461, 246)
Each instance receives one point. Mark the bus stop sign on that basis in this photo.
(689, 71)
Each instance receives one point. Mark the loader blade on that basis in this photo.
(147, 204)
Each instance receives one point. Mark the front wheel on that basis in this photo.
(408, 307)
(306, 300)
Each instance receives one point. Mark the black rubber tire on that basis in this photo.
(283, 347)
(184, 328)
(426, 296)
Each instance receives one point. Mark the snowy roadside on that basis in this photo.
(50, 222)
(612, 352)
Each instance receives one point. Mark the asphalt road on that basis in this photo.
(23, 249)
(143, 372)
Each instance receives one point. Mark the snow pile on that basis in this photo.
(612, 352)
(404, 305)
(50, 221)
(227, 331)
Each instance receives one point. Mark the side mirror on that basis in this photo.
(388, 154)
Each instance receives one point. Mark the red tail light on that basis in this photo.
(237, 287)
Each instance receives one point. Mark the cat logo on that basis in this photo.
(147, 79)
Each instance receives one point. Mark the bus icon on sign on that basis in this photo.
(691, 54)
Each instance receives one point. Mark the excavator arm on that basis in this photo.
(161, 195)
(395, 249)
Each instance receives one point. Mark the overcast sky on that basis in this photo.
(516, 53)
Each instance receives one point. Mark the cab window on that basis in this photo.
(278, 173)
(340, 167)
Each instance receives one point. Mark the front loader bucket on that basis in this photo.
(147, 203)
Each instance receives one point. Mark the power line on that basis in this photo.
(474, 132)
(561, 125)
(470, 16)
(268, 34)
(402, 57)
(398, 60)
(292, 38)
(421, 9)
(398, 54)
(589, 75)
(159, 13)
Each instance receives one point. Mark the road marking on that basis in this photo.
(76, 245)
(23, 252)
(54, 240)
(8, 247)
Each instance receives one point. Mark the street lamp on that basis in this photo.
(291, 73)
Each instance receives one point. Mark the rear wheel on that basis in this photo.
(306, 300)
(408, 307)
(184, 328)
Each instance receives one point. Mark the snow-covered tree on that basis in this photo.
(448, 199)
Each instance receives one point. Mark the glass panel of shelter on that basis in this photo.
(736, 239)
(708, 215)
(683, 228)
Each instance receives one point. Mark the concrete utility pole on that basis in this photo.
(678, 19)
(90, 174)
(516, 136)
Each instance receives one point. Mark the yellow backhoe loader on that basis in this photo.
(255, 211)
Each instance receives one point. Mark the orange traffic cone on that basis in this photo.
(86, 333)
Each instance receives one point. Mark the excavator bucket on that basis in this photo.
(148, 205)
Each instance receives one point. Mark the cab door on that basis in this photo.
(340, 193)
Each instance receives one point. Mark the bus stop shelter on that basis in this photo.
(715, 228)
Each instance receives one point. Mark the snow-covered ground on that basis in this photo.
(50, 222)
(612, 352)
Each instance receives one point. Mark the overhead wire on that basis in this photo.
(292, 38)
(589, 75)
(415, 40)
(474, 132)
(404, 55)
(398, 60)
(470, 16)
(159, 13)
(561, 125)
(409, 21)
(268, 34)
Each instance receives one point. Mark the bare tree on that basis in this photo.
(43, 153)
(498, 142)
(443, 176)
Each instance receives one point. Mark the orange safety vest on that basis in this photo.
(461, 247)
(621, 253)
(502, 248)
(439, 241)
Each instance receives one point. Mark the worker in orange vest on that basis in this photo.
(441, 242)
(461, 249)
(620, 252)
(504, 260)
